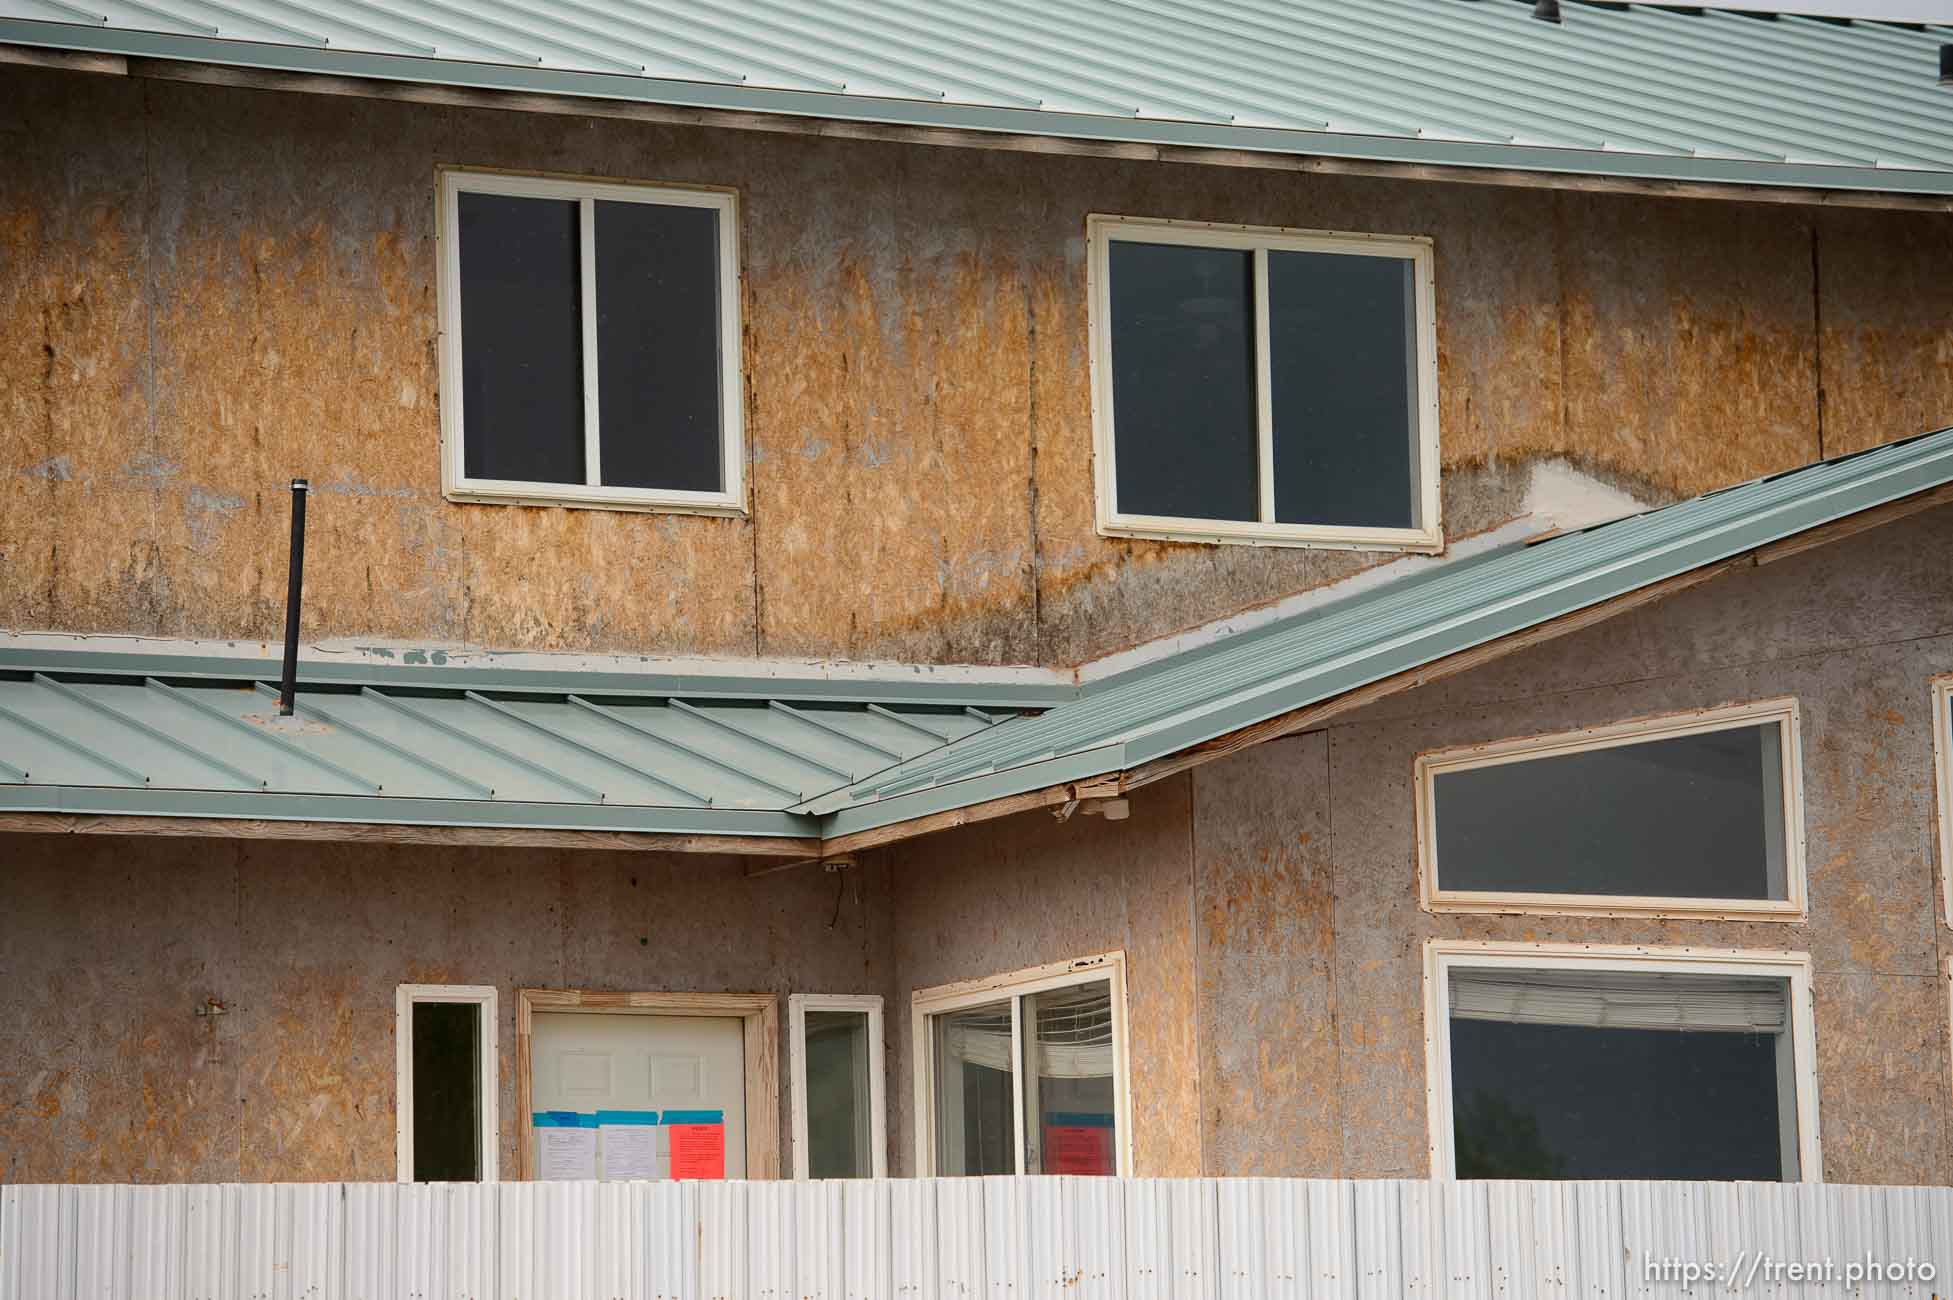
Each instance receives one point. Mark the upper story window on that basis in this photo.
(590, 344)
(1264, 386)
(1692, 813)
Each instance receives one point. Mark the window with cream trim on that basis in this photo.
(1584, 1061)
(1025, 1073)
(590, 344)
(1262, 385)
(1942, 698)
(1698, 812)
(445, 1079)
(836, 1045)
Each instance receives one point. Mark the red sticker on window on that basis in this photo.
(1077, 1149)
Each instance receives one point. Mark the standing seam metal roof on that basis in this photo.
(1165, 708)
(1632, 90)
(106, 734)
(83, 735)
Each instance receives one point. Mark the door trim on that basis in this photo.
(758, 1012)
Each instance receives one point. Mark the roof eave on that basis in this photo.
(1158, 132)
(396, 810)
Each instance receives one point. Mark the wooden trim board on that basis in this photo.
(760, 1013)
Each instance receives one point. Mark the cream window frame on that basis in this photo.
(927, 1003)
(1441, 956)
(487, 1004)
(1794, 907)
(870, 1004)
(1426, 536)
(592, 493)
(1942, 704)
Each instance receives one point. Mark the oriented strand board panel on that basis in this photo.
(1022, 891)
(108, 1074)
(76, 505)
(211, 290)
(1861, 682)
(1269, 1096)
(1689, 330)
(1886, 281)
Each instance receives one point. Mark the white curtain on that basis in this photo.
(1622, 999)
(991, 1048)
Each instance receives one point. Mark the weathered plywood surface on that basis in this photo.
(1805, 628)
(1000, 896)
(208, 290)
(1270, 1099)
(110, 945)
(1886, 298)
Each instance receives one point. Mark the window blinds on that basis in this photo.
(1622, 999)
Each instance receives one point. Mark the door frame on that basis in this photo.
(759, 1014)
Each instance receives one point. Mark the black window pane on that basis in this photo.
(521, 339)
(1687, 817)
(447, 1092)
(1342, 355)
(1183, 389)
(1564, 1101)
(658, 361)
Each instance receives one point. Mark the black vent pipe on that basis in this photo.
(288, 684)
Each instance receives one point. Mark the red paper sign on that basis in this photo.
(698, 1150)
(1077, 1149)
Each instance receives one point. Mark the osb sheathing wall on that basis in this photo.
(1269, 903)
(205, 291)
(110, 946)
(1266, 904)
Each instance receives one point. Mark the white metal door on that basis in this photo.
(591, 1061)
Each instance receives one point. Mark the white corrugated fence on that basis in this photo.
(972, 1239)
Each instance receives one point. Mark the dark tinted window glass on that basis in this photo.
(447, 1092)
(1342, 354)
(1183, 393)
(1564, 1101)
(1688, 817)
(658, 346)
(521, 340)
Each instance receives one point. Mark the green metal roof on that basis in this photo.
(160, 734)
(1164, 708)
(112, 734)
(1616, 90)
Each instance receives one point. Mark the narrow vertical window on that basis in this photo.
(1025, 1073)
(590, 344)
(1264, 386)
(445, 1099)
(838, 1124)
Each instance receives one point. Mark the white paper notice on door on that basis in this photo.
(628, 1140)
(566, 1145)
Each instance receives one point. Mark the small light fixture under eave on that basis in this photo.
(1946, 66)
(1547, 11)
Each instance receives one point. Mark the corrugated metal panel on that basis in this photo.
(1630, 91)
(975, 1239)
(94, 737)
(1195, 696)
